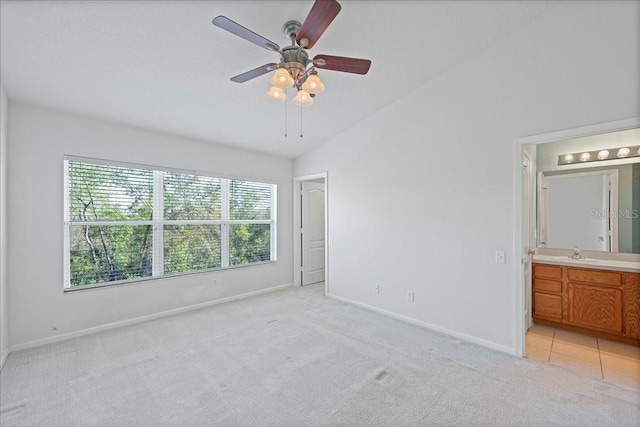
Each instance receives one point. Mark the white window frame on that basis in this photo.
(158, 223)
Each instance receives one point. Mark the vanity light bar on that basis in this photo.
(599, 155)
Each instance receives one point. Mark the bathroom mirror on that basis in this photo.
(594, 207)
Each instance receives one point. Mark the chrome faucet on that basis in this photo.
(576, 254)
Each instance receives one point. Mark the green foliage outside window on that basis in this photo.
(111, 223)
(250, 243)
(191, 248)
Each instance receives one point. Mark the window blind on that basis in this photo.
(249, 200)
(109, 193)
(191, 197)
(125, 223)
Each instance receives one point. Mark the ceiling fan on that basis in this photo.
(295, 69)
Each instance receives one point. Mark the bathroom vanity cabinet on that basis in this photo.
(599, 302)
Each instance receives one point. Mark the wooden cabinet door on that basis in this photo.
(596, 307)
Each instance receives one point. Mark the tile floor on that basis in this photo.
(610, 361)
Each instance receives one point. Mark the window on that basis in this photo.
(126, 222)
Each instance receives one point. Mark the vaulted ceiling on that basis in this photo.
(162, 65)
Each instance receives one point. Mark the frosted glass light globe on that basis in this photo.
(623, 152)
(276, 93)
(281, 78)
(313, 84)
(303, 98)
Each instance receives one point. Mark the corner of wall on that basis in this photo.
(635, 228)
(4, 327)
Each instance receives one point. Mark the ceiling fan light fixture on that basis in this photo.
(303, 98)
(295, 69)
(313, 84)
(281, 78)
(276, 93)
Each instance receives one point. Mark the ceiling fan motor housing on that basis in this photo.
(295, 60)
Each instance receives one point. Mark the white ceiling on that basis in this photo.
(162, 65)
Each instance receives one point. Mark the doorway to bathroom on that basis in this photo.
(554, 154)
(554, 157)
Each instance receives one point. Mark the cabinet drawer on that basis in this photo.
(548, 271)
(547, 285)
(611, 278)
(546, 305)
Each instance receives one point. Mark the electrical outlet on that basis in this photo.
(376, 289)
(214, 282)
(410, 296)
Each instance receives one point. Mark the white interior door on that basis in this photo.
(312, 232)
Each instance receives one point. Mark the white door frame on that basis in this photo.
(527, 162)
(297, 212)
(518, 151)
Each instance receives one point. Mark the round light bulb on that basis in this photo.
(584, 157)
(603, 155)
(623, 152)
(281, 78)
(276, 93)
(313, 84)
(303, 98)
(568, 158)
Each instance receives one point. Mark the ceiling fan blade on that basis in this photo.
(240, 31)
(319, 18)
(256, 72)
(341, 63)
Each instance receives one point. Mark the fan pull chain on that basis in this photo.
(300, 120)
(285, 117)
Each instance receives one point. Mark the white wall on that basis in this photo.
(4, 313)
(37, 141)
(421, 194)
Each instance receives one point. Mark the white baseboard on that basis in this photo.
(3, 358)
(119, 324)
(431, 327)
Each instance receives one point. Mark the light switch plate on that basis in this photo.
(500, 257)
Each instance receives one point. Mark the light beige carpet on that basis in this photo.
(294, 358)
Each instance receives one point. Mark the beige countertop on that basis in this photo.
(601, 264)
